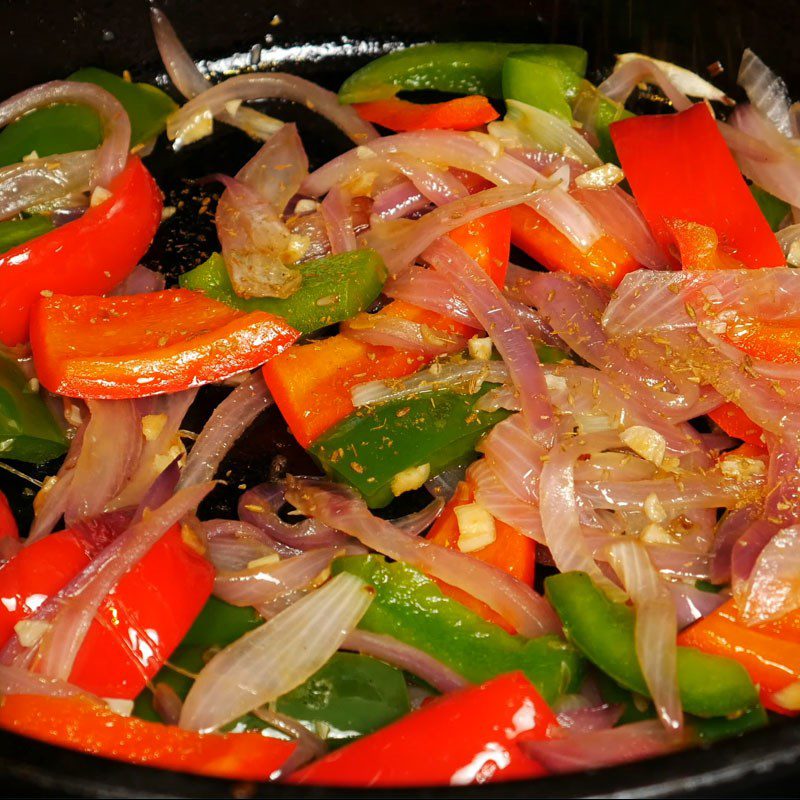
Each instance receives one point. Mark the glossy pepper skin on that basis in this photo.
(373, 444)
(603, 112)
(91, 255)
(64, 128)
(410, 606)
(458, 68)
(28, 431)
(334, 289)
(603, 631)
(459, 114)
(542, 81)
(679, 167)
(78, 724)
(139, 345)
(18, 231)
(8, 524)
(139, 624)
(468, 736)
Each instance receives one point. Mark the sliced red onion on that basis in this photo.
(309, 746)
(766, 91)
(527, 611)
(399, 200)
(166, 703)
(472, 152)
(419, 521)
(692, 604)
(141, 281)
(15, 680)
(112, 155)
(655, 630)
(73, 608)
(731, 528)
(264, 86)
(605, 748)
(587, 719)
(40, 182)
(276, 657)
(492, 310)
(190, 81)
(233, 544)
(230, 420)
(436, 185)
(628, 75)
(400, 242)
(310, 228)
(443, 486)
(405, 657)
(335, 210)
(402, 334)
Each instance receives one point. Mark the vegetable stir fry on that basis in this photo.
(541, 351)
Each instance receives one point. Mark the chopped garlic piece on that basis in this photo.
(232, 106)
(409, 479)
(297, 247)
(741, 467)
(600, 177)
(152, 425)
(119, 705)
(653, 509)
(476, 528)
(191, 539)
(645, 442)
(593, 423)
(363, 152)
(30, 631)
(655, 534)
(32, 156)
(306, 206)
(264, 561)
(556, 385)
(99, 195)
(788, 697)
(480, 348)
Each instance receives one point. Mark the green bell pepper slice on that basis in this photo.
(334, 289)
(18, 231)
(372, 445)
(542, 81)
(64, 128)
(28, 431)
(606, 112)
(773, 208)
(710, 686)
(220, 623)
(456, 67)
(410, 607)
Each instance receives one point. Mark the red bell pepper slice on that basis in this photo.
(736, 423)
(469, 736)
(699, 247)
(511, 551)
(139, 345)
(311, 384)
(606, 262)
(91, 255)
(8, 525)
(679, 167)
(460, 114)
(79, 724)
(139, 624)
(770, 652)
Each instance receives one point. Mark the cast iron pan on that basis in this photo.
(325, 40)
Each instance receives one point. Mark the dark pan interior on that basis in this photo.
(325, 40)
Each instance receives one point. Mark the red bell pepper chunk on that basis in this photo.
(460, 114)
(511, 551)
(139, 345)
(469, 736)
(736, 423)
(88, 256)
(8, 525)
(679, 167)
(311, 383)
(699, 247)
(139, 624)
(78, 724)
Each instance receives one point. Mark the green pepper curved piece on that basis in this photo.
(372, 445)
(606, 112)
(18, 231)
(457, 67)
(773, 208)
(220, 623)
(334, 289)
(710, 686)
(28, 431)
(64, 128)
(542, 81)
(410, 607)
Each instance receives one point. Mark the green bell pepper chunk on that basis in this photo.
(64, 128)
(28, 431)
(372, 445)
(456, 67)
(773, 208)
(410, 607)
(220, 623)
(541, 81)
(710, 686)
(606, 112)
(18, 231)
(334, 289)
(351, 696)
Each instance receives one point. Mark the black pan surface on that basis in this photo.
(325, 40)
